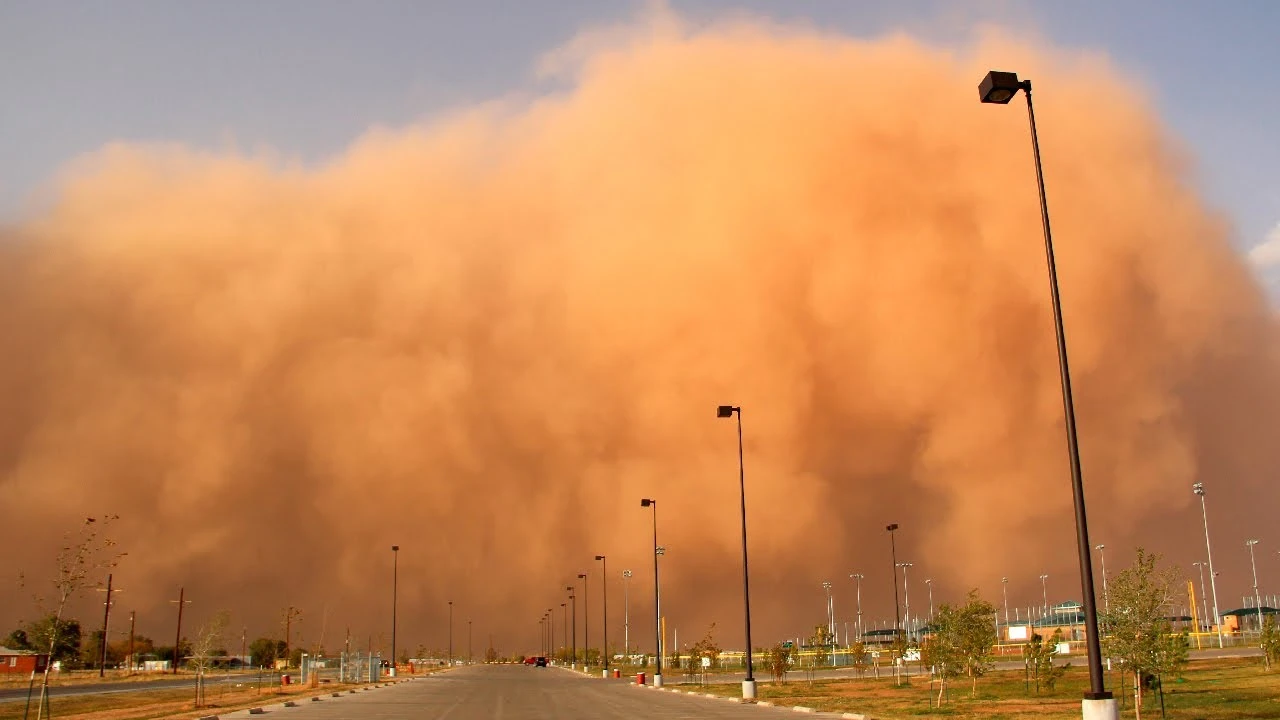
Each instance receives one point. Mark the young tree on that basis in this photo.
(1270, 642)
(1040, 660)
(975, 637)
(858, 654)
(779, 662)
(939, 652)
(206, 647)
(78, 564)
(708, 648)
(1137, 624)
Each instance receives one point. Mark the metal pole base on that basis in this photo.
(1100, 709)
(657, 681)
(748, 689)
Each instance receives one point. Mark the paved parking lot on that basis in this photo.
(516, 692)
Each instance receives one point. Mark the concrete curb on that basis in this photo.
(853, 716)
(801, 708)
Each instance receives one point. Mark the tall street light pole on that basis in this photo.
(626, 614)
(469, 637)
(893, 551)
(999, 88)
(1044, 588)
(1004, 589)
(450, 634)
(1257, 599)
(906, 597)
(657, 612)
(1106, 596)
(395, 572)
(1198, 489)
(831, 622)
(586, 623)
(748, 684)
(573, 627)
(858, 578)
(928, 582)
(565, 607)
(604, 612)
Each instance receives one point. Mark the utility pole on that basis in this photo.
(177, 643)
(106, 613)
(290, 613)
(133, 617)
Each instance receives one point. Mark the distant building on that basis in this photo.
(21, 662)
(1233, 620)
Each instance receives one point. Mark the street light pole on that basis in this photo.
(928, 582)
(657, 612)
(893, 550)
(573, 627)
(586, 623)
(748, 684)
(1004, 589)
(626, 615)
(1257, 599)
(565, 607)
(450, 634)
(1106, 597)
(604, 612)
(861, 632)
(1000, 87)
(1198, 489)
(906, 597)
(1044, 588)
(395, 572)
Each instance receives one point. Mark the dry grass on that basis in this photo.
(174, 703)
(1208, 690)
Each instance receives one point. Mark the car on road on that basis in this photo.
(540, 662)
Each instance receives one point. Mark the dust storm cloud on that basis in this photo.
(485, 337)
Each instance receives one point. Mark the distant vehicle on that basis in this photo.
(530, 660)
(540, 662)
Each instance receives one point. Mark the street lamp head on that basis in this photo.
(626, 573)
(395, 548)
(1099, 547)
(599, 557)
(1004, 580)
(1198, 489)
(891, 527)
(1000, 87)
(725, 411)
(1250, 542)
(569, 588)
(582, 576)
(646, 502)
(660, 550)
(1044, 577)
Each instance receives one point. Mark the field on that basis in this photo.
(1208, 690)
(173, 703)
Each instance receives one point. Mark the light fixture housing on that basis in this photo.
(999, 87)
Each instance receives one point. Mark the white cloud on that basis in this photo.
(1266, 254)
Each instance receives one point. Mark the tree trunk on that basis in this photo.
(1137, 695)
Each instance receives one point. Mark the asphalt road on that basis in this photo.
(519, 692)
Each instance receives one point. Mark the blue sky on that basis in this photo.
(307, 76)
